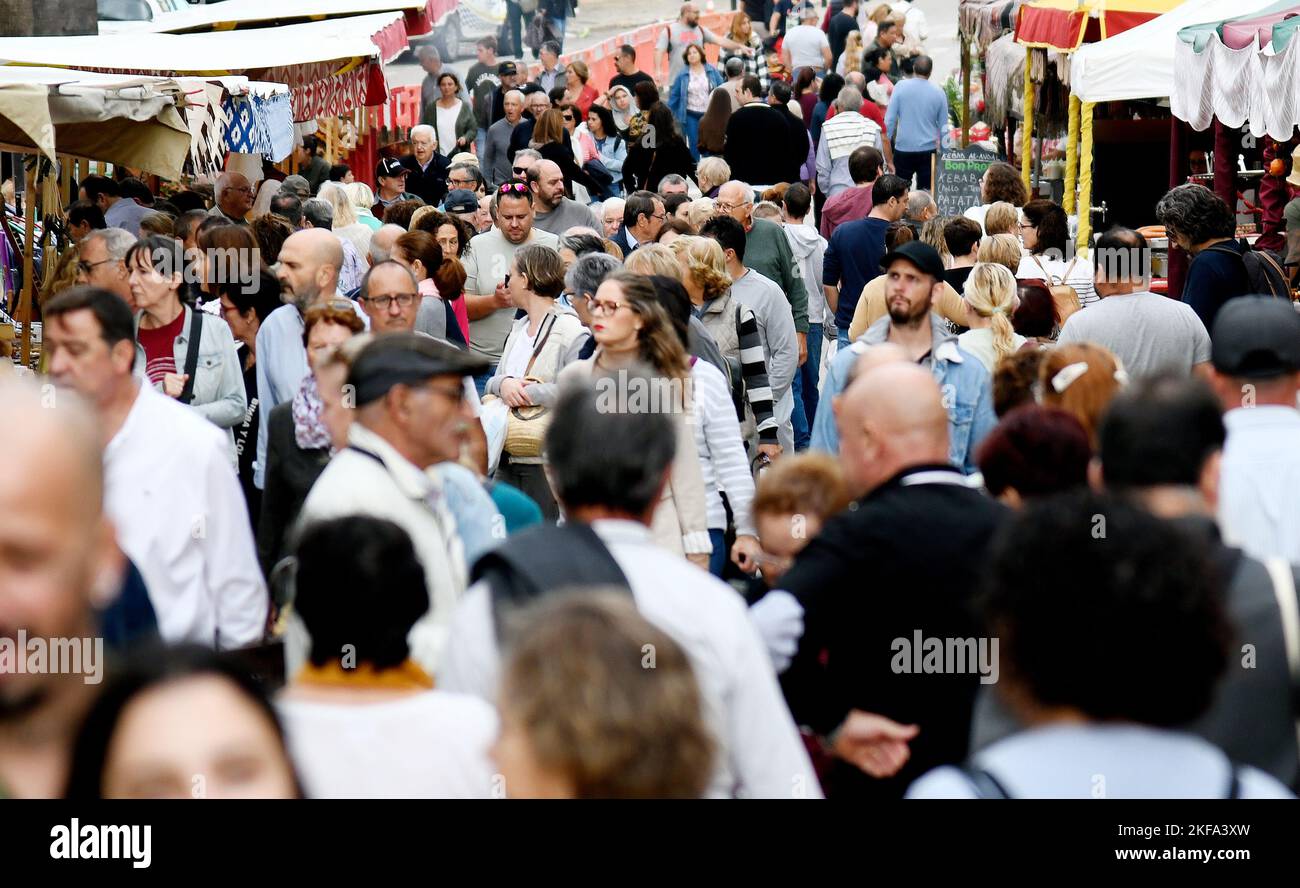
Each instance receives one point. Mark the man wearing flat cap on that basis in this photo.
(411, 414)
(1255, 353)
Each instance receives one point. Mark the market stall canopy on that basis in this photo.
(1065, 25)
(332, 66)
(122, 119)
(1223, 71)
(1139, 64)
(420, 15)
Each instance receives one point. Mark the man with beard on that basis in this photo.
(58, 558)
(308, 272)
(914, 275)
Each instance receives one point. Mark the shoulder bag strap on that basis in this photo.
(542, 335)
(192, 355)
(986, 785)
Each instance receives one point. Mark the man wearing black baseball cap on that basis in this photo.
(1255, 352)
(914, 278)
(390, 176)
(411, 414)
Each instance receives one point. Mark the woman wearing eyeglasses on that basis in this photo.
(531, 361)
(630, 326)
(299, 442)
(165, 337)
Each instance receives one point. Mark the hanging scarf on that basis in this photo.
(407, 676)
(308, 430)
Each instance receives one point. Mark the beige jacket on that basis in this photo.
(872, 307)
(681, 523)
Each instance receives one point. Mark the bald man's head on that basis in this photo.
(547, 181)
(59, 555)
(381, 243)
(877, 356)
(309, 265)
(890, 419)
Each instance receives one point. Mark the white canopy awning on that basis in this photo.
(234, 13)
(123, 119)
(219, 52)
(1139, 63)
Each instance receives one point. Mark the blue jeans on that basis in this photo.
(480, 143)
(481, 379)
(718, 557)
(558, 22)
(805, 389)
(842, 336)
(691, 130)
(908, 162)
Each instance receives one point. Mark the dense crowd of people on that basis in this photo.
(593, 452)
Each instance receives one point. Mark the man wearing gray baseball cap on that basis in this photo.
(1255, 353)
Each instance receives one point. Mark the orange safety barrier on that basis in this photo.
(600, 57)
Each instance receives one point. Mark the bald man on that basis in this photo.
(308, 272)
(885, 578)
(234, 195)
(59, 560)
(381, 243)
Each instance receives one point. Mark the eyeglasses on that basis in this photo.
(451, 394)
(606, 308)
(462, 183)
(568, 117)
(88, 267)
(660, 216)
(403, 300)
(1027, 225)
(728, 207)
(513, 188)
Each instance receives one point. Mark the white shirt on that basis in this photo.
(431, 745)
(1259, 481)
(1077, 271)
(175, 500)
(760, 753)
(516, 362)
(1114, 761)
(446, 118)
(979, 342)
(723, 463)
(391, 487)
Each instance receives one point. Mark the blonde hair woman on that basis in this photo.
(654, 259)
(712, 173)
(990, 298)
(362, 200)
(851, 58)
(1004, 249)
(733, 327)
(1002, 218)
(701, 211)
(346, 224)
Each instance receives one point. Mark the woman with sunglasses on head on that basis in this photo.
(611, 150)
(531, 361)
(165, 334)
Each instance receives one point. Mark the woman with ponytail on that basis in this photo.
(990, 298)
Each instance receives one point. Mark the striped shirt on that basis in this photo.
(735, 329)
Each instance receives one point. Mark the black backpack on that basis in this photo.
(545, 559)
(1264, 274)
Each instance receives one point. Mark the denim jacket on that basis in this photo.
(218, 380)
(966, 385)
(677, 95)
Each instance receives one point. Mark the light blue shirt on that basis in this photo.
(281, 366)
(478, 521)
(1259, 481)
(918, 115)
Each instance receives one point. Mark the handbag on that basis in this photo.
(526, 426)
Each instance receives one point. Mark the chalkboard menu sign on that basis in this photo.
(957, 179)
